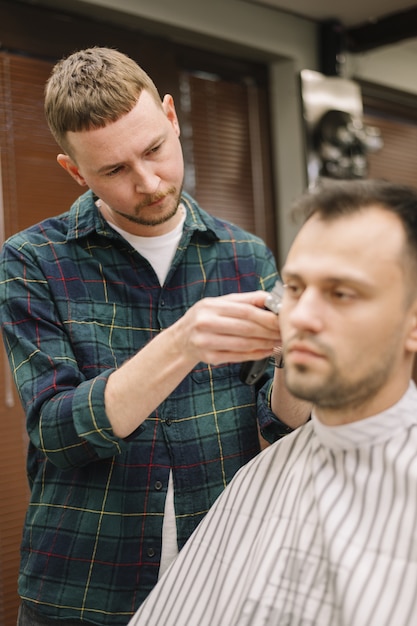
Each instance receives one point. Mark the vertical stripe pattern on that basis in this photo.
(319, 530)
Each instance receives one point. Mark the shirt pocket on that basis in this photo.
(104, 335)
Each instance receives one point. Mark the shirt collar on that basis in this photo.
(85, 218)
(372, 430)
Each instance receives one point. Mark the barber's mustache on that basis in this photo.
(155, 197)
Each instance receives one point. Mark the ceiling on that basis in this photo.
(367, 24)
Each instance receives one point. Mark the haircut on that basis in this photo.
(92, 88)
(332, 199)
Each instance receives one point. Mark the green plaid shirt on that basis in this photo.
(76, 302)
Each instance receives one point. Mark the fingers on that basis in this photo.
(240, 314)
(231, 328)
(253, 298)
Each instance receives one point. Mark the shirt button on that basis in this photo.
(168, 422)
(158, 485)
(150, 552)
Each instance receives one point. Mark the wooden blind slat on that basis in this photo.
(223, 154)
(397, 160)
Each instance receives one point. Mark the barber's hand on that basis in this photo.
(231, 328)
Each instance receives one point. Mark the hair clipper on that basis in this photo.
(252, 371)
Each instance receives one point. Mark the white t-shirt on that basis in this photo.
(159, 251)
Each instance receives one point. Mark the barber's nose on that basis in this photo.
(146, 180)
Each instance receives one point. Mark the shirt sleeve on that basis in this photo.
(65, 411)
(270, 425)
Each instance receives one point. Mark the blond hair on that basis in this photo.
(92, 88)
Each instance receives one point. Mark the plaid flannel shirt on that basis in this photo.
(76, 302)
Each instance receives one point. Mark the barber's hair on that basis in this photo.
(335, 198)
(92, 88)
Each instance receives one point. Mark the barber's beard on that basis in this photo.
(144, 216)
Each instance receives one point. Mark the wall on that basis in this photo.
(392, 66)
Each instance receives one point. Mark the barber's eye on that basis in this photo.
(114, 172)
(155, 149)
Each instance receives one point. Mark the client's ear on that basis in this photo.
(411, 339)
